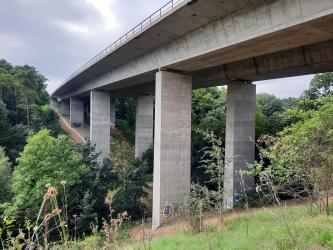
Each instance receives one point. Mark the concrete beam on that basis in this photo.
(76, 110)
(172, 142)
(65, 108)
(144, 125)
(277, 25)
(239, 140)
(311, 59)
(100, 121)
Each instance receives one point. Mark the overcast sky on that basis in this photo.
(57, 36)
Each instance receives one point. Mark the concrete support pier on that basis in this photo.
(239, 141)
(113, 111)
(144, 126)
(65, 109)
(55, 105)
(76, 111)
(100, 121)
(172, 143)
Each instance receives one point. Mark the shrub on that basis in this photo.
(126, 130)
(45, 159)
(5, 177)
(129, 174)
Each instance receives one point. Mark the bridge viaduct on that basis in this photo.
(194, 44)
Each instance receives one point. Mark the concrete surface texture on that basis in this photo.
(239, 140)
(113, 110)
(100, 121)
(76, 111)
(65, 108)
(55, 105)
(144, 125)
(172, 142)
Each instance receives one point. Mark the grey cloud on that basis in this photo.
(34, 32)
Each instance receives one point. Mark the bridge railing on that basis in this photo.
(130, 34)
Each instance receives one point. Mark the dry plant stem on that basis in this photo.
(283, 214)
(246, 204)
(2, 244)
(65, 203)
(63, 230)
(35, 234)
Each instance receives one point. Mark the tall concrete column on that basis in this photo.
(144, 124)
(100, 121)
(239, 141)
(172, 143)
(76, 110)
(113, 110)
(65, 108)
(55, 105)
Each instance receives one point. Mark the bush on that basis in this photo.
(126, 130)
(44, 117)
(45, 159)
(5, 177)
(130, 175)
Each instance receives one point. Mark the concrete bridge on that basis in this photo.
(193, 44)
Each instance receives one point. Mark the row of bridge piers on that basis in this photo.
(164, 120)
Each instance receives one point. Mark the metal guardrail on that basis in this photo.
(130, 34)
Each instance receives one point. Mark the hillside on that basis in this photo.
(258, 229)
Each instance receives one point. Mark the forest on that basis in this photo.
(52, 190)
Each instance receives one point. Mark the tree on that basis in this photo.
(321, 85)
(5, 77)
(93, 189)
(208, 114)
(299, 162)
(44, 117)
(5, 131)
(32, 88)
(270, 114)
(129, 179)
(5, 177)
(269, 104)
(45, 159)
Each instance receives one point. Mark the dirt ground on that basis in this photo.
(75, 136)
(178, 224)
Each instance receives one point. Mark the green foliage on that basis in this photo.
(19, 134)
(208, 114)
(321, 85)
(269, 104)
(269, 115)
(5, 131)
(21, 87)
(93, 189)
(5, 177)
(23, 93)
(300, 161)
(129, 176)
(126, 110)
(44, 117)
(126, 130)
(44, 160)
(212, 162)
(266, 231)
(197, 204)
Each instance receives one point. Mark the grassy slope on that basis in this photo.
(266, 229)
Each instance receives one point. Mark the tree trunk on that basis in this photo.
(15, 100)
(27, 109)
